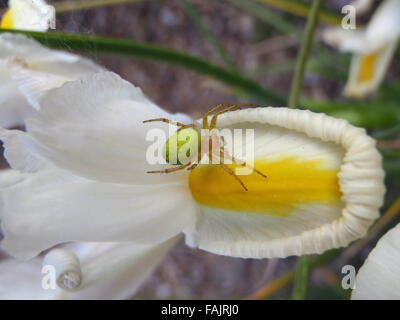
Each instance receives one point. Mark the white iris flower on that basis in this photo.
(85, 179)
(379, 277)
(33, 15)
(372, 48)
(27, 70)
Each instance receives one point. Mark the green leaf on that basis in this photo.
(303, 54)
(86, 43)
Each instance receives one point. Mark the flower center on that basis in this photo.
(7, 21)
(289, 183)
(367, 67)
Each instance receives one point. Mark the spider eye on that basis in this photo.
(182, 146)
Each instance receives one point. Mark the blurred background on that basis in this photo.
(260, 40)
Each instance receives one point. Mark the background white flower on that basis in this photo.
(379, 277)
(372, 48)
(27, 70)
(34, 15)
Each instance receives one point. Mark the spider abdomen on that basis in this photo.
(183, 146)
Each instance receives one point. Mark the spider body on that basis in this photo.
(188, 146)
(181, 147)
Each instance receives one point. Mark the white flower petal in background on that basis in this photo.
(34, 15)
(27, 70)
(372, 48)
(109, 271)
(362, 6)
(367, 71)
(19, 152)
(379, 277)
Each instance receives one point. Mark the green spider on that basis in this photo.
(213, 144)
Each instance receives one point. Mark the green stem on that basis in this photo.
(303, 54)
(301, 279)
(75, 5)
(90, 44)
(266, 15)
(192, 12)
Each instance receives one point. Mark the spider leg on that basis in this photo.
(189, 126)
(231, 108)
(178, 124)
(230, 171)
(193, 166)
(223, 141)
(214, 118)
(181, 167)
(205, 117)
(240, 162)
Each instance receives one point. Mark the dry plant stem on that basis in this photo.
(301, 278)
(389, 144)
(391, 213)
(275, 285)
(329, 276)
(272, 287)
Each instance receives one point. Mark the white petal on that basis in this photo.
(382, 30)
(35, 78)
(19, 151)
(94, 128)
(367, 71)
(117, 272)
(384, 26)
(51, 207)
(22, 46)
(13, 106)
(9, 177)
(110, 271)
(22, 280)
(345, 39)
(361, 6)
(33, 15)
(27, 67)
(379, 277)
(262, 225)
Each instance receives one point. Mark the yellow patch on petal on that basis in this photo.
(289, 183)
(367, 67)
(7, 21)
